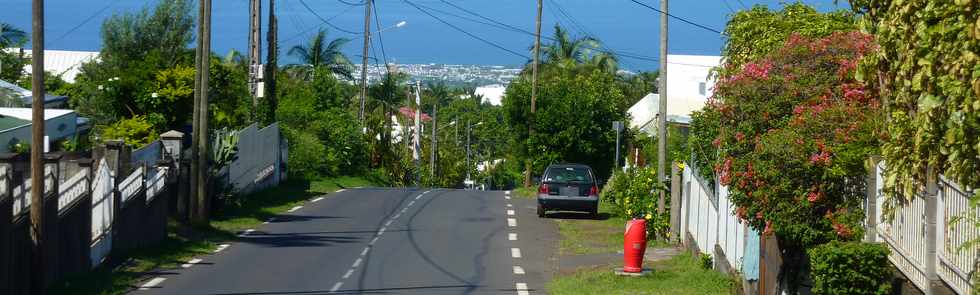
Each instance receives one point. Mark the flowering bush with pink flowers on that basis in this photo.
(796, 128)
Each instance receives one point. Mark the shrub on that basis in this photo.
(796, 128)
(136, 131)
(707, 262)
(850, 268)
(635, 194)
(306, 153)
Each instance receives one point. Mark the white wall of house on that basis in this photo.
(58, 125)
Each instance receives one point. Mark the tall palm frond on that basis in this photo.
(10, 35)
(319, 53)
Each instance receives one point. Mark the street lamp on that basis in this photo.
(367, 36)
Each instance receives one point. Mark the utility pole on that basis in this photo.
(196, 121)
(468, 127)
(417, 135)
(432, 150)
(255, 54)
(662, 118)
(364, 57)
(534, 89)
(272, 63)
(200, 215)
(38, 258)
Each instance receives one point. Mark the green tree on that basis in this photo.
(756, 32)
(11, 63)
(572, 122)
(319, 53)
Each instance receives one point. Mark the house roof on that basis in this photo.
(11, 122)
(25, 113)
(64, 63)
(26, 94)
(410, 114)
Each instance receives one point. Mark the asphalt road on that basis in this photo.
(382, 241)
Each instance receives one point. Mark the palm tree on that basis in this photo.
(10, 35)
(318, 53)
(567, 52)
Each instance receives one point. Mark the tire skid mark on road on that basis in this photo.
(381, 231)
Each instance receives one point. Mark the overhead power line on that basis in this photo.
(377, 23)
(88, 19)
(297, 35)
(326, 21)
(678, 18)
(465, 32)
(508, 27)
(353, 3)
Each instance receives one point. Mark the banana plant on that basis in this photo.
(224, 149)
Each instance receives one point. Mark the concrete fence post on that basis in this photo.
(871, 201)
(675, 202)
(931, 232)
(173, 149)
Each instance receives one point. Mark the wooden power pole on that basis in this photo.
(364, 57)
(255, 54)
(199, 149)
(534, 90)
(38, 257)
(662, 118)
(272, 62)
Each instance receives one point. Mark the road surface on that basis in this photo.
(381, 241)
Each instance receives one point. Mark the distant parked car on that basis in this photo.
(568, 187)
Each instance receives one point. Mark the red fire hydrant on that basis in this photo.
(634, 245)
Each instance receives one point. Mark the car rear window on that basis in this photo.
(568, 175)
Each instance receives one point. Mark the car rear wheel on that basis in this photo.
(541, 212)
(594, 212)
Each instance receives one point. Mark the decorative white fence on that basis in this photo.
(102, 208)
(707, 215)
(925, 244)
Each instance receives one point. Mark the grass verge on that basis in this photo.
(121, 271)
(525, 192)
(580, 235)
(679, 275)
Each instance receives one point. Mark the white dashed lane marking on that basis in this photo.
(515, 252)
(365, 251)
(190, 263)
(246, 232)
(510, 206)
(349, 272)
(518, 270)
(512, 236)
(512, 222)
(221, 247)
(356, 263)
(341, 190)
(317, 199)
(152, 283)
(295, 208)
(507, 197)
(522, 289)
(510, 212)
(336, 286)
(375, 240)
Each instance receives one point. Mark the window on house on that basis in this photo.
(703, 88)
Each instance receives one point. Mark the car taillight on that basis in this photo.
(543, 189)
(594, 191)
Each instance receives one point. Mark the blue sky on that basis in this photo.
(621, 24)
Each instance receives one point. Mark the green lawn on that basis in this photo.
(589, 236)
(679, 275)
(123, 270)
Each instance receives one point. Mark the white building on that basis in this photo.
(15, 126)
(689, 84)
(492, 94)
(63, 63)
